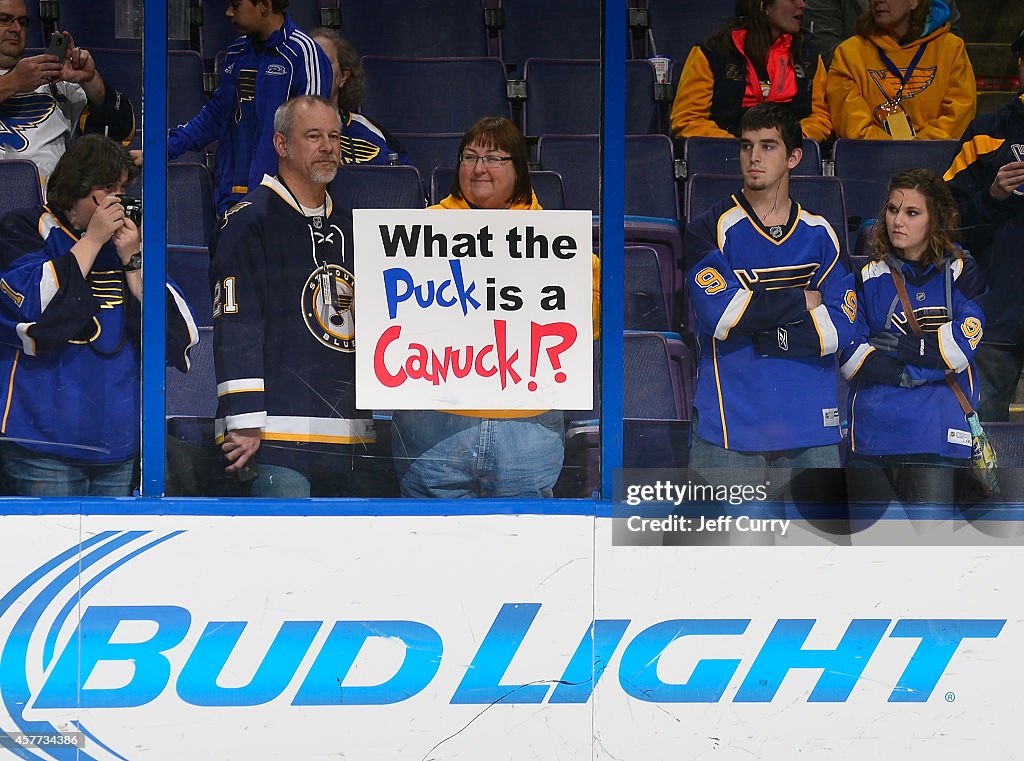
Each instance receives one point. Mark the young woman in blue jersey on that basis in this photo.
(903, 410)
(363, 141)
(70, 320)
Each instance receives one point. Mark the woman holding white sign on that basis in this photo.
(482, 453)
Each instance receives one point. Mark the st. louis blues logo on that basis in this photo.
(920, 80)
(20, 113)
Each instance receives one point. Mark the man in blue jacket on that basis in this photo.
(986, 179)
(271, 62)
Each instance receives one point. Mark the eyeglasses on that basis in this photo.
(7, 20)
(470, 159)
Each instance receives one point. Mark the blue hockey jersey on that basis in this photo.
(767, 368)
(70, 345)
(885, 417)
(284, 327)
(255, 80)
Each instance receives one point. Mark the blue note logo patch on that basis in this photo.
(328, 307)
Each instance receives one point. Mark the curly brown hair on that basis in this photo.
(351, 94)
(943, 216)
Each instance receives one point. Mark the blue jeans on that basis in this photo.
(809, 474)
(704, 454)
(908, 479)
(33, 474)
(438, 454)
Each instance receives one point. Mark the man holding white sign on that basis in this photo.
(475, 329)
(284, 320)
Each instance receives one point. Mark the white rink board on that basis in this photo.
(454, 576)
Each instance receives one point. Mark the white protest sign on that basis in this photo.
(473, 309)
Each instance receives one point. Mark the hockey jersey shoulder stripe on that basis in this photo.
(274, 184)
(729, 218)
(969, 152)
(816, 220)
(872, 270)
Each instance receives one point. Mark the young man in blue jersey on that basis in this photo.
(774, 304)
(271, 62)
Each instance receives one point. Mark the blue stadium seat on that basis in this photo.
(721, 155)
(217, 32)
(657, 396)
(185, 98)
(371, 186)
(658, 376)
(546, 185)
(428, 151)
(434, 94)
(543, 29)
(865, 167)
(20, 181)
(819, 195)
(665, 237)
(37, 35)
(564, 97)
(650, 181)
(647, 297)
(549, 188)
(194, 393)
(122, 69)
(189, 268)
(190, 210)
(678, 26)
(420, 28)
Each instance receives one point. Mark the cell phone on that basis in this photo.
(1018, 155)
(58, 46)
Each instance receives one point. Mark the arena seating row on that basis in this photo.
(514, 30)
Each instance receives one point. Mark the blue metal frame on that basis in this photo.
(154, 223)
(613, 182)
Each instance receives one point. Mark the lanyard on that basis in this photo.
(903, 78)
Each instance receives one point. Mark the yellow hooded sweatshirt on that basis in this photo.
(940, 97)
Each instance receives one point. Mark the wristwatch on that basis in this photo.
(135, 263)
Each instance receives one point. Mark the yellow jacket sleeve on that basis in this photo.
(691, 110)
(818, 124)
(960, 101)
(851, 112)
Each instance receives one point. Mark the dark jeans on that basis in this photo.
(999, 369)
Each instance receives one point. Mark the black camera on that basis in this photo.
(132, 208)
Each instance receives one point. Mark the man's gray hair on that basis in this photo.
(284, 116)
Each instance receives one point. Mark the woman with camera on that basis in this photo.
(70, 324)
